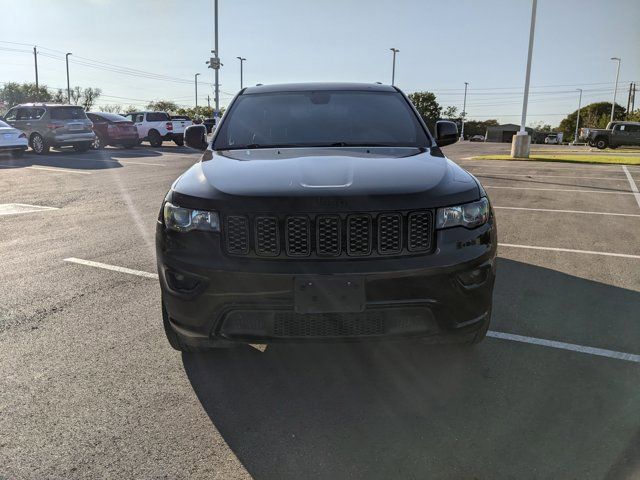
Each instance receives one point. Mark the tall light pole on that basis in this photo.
(521, 143)
(68, 84)
(393, 69)
(241, 62)
(217, 57)
(613, 104)
(35, 61)
(575, 139)
(196, 82)
(464, 110)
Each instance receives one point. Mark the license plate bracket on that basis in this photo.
(329, 294)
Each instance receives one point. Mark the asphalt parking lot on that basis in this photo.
(89, 387)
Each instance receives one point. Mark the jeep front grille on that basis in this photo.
(329, 235)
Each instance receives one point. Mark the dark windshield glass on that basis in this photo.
(68, 113)
(323, 118)
(157, 117)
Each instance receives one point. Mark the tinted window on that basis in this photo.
(11, 114)
(157, 117)
(36, 113)
(320, 119)
(23, 114)
(68, 113)
(632, 128)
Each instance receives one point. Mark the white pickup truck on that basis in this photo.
(156, 127)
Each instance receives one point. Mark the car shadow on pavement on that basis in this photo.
(104, 159)
(410, 410)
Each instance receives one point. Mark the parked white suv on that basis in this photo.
(156, 127)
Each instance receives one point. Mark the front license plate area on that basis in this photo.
(329, 294)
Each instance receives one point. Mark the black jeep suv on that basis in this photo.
(324, 212)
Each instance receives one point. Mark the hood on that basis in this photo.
(382, 172)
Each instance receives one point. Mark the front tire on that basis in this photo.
(155, 140)
(39, 145)
(179, 142)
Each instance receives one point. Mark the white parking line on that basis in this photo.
(601, 352)
(59, 170)
(17, 208)
(546, 166)
(632, 183)
(569, 250)
(569, 211)
(559, 190)
(619, 179)
(114, 268)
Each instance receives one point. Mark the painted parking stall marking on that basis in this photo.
(569, 250)
(114, 268)
(18, 208)
(554, 210)
(576, 190)
(601, 352)
(632, 184)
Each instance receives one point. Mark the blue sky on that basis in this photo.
(442, 45)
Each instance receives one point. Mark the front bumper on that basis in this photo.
(209, 296)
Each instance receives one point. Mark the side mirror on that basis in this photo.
(446, 133)
(195, 136)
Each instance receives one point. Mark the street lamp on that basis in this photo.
(464, 110)
(241, 62)
(613, 104)
(68, 84)
(393, 70)
(196, 82)
(575, 139)
(521, 143)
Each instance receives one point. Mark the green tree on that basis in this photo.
(594, 115)
(163, 106)
(450, 113)
(477, 127)
(14, 93)
(427, 106)
(634, 116)
(115, 108)
(86, 97)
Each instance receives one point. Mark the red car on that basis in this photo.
(113, 129)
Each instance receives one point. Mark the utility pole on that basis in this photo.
(208, 101)
(393, 70)
(242, 60)
(613, 104)
(629, 100)
(35, 60)
(521, 142)
(633, 97)
(217, 57)
(68, 84)
(575, 138)
(196, 82)
(464, 110)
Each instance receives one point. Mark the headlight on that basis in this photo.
(469, 215)
(185, 219)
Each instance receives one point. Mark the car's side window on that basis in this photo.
(37, 113)
(11, 115)
(139, 118)
(23, 114)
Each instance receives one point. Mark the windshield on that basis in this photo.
(321, 118)
(68, 113)
(111, 117)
